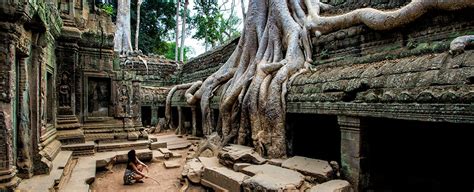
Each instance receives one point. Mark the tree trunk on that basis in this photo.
(183, 32)
(242, 6)
(275, 47)
(137, 32)
(122, 38)
(176, 54)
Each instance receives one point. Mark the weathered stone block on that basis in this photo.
(224, 178)
(319, 169)
(156, 145)
(332, 186)
(271, 178)
(171, 164)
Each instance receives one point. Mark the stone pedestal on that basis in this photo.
(352, 149)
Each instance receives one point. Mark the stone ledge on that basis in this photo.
(455, 113)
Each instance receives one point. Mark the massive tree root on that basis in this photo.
(274, 48)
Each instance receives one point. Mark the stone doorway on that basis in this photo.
(420, 156)
(314, 136)
(146, 116)
(98, 97)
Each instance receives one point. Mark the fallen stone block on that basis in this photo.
(164, 150)
(208, 162)
(176, 154)
(132, 136)
(271, 178)
(224, 178)
(320, 170)
(332, 186)
(171, 164)
(193, 170)
(157, 145)
(232, 154)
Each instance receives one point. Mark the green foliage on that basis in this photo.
(108, 8)
(211, 25)
(156, 25)
(169, 49)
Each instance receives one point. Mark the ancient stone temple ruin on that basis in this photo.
(375, 110)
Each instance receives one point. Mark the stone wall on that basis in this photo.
(207, 63)
(28, 31)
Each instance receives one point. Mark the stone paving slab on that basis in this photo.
(173, 141)
(171, 164)
(82, 175)
(46, 182)
(319, 169)
(332, 186)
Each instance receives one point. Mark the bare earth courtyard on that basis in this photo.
(169, 178)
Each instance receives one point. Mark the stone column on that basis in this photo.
(180, 120)
(194, 120)
(352, 149)
(8, 170)
(154, 115)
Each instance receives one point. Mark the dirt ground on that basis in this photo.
(168, 178)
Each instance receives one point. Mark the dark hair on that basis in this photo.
(132, 156)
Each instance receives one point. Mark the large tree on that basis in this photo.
(156, 25)
(211, 24)
(122, 38)
(273, 48)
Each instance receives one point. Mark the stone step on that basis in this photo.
(66, 117)
(51, 181)
(67, 121)
(68, 126)
(102, 159)
(140, 144)
(82, 175)
(81, 149)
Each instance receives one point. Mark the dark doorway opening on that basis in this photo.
(419, 156)
(161, 112)
(199, 131)
(174, 117)
(146, 116)
(314, 136)
(188, 120)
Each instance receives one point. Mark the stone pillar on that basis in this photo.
(352, 149)
(194, 120)
(154, 115)
(180, 120)
(8, 100)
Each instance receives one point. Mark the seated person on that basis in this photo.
(133, 173)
